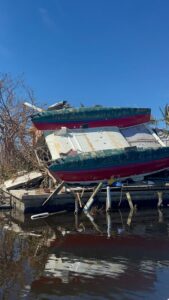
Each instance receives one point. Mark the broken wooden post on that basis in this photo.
(121, 195)
(108, 218)
(121, 217)
(129, 200)
(129, 219)
(78, 199)
(78, 202)
(160, 199)
(160, 216)
(91, 199)
(76, 222)
(46, 214)
(56, 191)
(92, 221)
(108, 199)
(76, 206)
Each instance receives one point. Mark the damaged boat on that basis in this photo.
(106, 164)
(99, 154)
(91, 117)
(91, 144)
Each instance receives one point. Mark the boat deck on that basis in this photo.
(64, 141)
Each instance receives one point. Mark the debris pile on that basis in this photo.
(79, 146)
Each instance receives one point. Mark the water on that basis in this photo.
(118, 256)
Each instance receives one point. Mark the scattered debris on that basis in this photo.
(46, 214)
(28, 180)
(70, 145)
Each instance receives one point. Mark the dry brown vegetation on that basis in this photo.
(16, 146)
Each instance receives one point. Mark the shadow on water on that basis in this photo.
(122, 255)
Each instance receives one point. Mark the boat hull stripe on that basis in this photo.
(117, 172)
(120, 122)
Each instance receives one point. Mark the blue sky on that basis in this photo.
(110, 52)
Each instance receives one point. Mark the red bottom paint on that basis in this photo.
(117, 172)
(121, 122)
(90, 241)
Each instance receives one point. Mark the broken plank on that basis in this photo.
(56, 191)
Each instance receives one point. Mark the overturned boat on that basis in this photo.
(106, 164)
(96, 116)
(91, 155)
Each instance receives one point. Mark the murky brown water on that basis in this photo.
(117, 256)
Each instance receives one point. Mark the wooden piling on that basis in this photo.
(57, 190)
(91, 199)
(160, 199)
(91, 218)
(129, 219)
(76, 206)
(129, 201)
(108, 199)
(108, 218)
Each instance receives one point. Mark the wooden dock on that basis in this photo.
(31, 201)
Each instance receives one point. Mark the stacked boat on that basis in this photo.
(97, 116)
(102, 143)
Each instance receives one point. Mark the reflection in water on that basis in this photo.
(85, 256)
(88, 268)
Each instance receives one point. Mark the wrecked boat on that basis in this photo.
(106, 164)
(96, 116)
(91, 155)
(91, 144)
